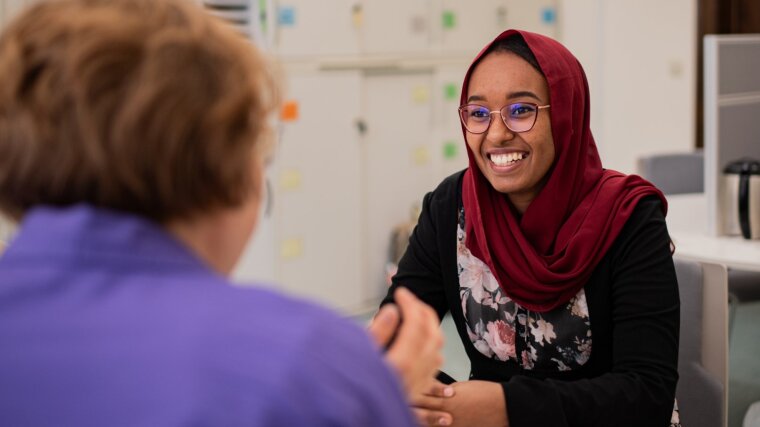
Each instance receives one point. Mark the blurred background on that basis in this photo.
(370, 125)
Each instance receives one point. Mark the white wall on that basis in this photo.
(640, 58)
(9, 8)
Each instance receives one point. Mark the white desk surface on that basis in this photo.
(687, 224)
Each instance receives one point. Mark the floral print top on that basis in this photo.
(559, 340)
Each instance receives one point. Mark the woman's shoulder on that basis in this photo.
(648, 208)
(644, 232)
(450, 189)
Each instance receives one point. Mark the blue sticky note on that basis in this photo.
(286, 16)
(548, 15)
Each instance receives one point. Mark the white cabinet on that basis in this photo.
(398, 163)
(449, 154)
(396, 26)
(316, 28)
(318, 189)
(467, 26)
(306, 28)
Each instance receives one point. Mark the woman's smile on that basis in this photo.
(502, 161)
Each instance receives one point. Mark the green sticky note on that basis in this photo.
(450, 149)
(449, 19)
(450, 91)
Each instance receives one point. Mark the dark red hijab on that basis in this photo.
(544, 258)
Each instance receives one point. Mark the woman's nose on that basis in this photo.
(498, 130)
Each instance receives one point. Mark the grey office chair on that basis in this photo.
(703, 347)
(674, 173)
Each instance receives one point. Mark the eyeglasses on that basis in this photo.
(518, 117)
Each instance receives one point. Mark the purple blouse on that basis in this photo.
(106, 320)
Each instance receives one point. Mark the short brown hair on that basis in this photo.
(146, 106)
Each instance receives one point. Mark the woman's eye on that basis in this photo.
(479, 113)
(521, 110)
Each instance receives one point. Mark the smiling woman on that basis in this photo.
(557, 272)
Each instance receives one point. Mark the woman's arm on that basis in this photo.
(478, 403)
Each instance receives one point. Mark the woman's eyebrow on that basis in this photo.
(522, 94)
(511, 95)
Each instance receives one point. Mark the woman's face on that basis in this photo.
(516, 164)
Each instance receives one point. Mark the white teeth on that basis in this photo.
(505, 159)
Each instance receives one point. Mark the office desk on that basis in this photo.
(687, 223)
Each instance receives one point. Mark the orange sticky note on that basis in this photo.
(289, 111)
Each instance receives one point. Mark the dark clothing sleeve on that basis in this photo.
(633, 303)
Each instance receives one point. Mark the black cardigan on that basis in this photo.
(632, 297)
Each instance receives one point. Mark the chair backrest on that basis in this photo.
(675, 173)
(702, 391)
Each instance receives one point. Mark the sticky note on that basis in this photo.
(263, 15)
(501, 16)
(420, 94)
(286, 16)
(291, 248)
(450, 150)
(418, 24)
(548, 15)
(290, 179)
(289, 111)
(421, 156)
(357, 15)
(449, 19)
(450, 92)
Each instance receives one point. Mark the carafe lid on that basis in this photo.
(743, 166)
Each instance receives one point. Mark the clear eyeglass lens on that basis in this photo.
(476, 118)
(519, 116)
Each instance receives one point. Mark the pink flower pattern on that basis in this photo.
(501, 329)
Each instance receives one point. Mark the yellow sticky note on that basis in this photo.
(289, 111)
(421, 156)
(357, 16)
(420, 94)
(290, 179)
(291, 248)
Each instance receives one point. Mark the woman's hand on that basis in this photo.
(476, 403)
(428, 407)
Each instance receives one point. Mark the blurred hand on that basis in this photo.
(384, 324)
(415, 352)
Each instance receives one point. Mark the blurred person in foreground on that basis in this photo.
(133, 138)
